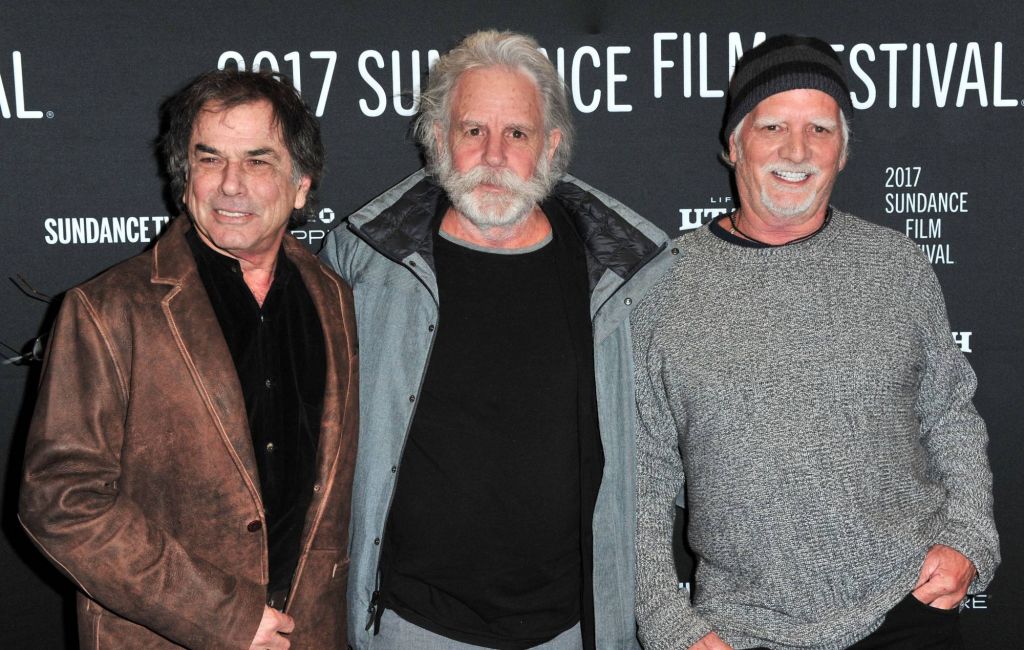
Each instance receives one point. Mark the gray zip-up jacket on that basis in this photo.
(384, 252)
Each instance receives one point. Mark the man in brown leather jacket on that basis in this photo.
(190, 461)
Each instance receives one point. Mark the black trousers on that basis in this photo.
(912, 625)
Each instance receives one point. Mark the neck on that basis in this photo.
(775, 231)
(257, 269)
(529, 230)
(258, 279)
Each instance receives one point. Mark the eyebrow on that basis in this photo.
(826, 122)
(513, 125)
(262, 151)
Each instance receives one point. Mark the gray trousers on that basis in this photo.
(396, 633)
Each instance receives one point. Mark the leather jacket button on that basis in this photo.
(254, 525)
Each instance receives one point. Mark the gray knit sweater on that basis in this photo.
(814, 403)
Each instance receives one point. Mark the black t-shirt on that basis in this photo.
(483, 538)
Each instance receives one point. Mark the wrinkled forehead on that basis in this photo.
(489, 82)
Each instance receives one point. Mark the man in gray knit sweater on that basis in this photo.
(835, 470)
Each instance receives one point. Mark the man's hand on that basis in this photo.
(711, 641)
(944, 579)
(272, 626)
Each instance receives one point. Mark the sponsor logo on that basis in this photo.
(693, 218)
(695, 65)
(974, 601)
(102, 230)
(931, 73)
(322, 60)
(905, 198)
(14, 86)
(963, 341)
(310, 233)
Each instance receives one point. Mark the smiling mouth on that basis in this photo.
(792, 177)
(232, 215)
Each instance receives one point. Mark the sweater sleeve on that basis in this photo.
(954, 435)
(665, 618)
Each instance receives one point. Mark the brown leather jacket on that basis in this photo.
(140, 478)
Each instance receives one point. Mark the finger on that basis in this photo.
(927, 593)
(286, 624)
(279, 643)
(928, 568)
(924, 577)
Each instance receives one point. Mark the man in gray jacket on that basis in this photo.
(835, 470)
(494, 500)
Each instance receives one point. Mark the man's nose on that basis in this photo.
(795, 147)
(232, 181)
(494, 150)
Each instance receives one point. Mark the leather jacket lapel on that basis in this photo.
(196, 330)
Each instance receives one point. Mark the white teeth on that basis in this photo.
(792, 176)
(231, 214)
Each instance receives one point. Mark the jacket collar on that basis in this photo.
(401, 221)
(197, 332)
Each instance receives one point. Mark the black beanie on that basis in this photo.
(781, 63)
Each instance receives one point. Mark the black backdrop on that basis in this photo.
(936, 153)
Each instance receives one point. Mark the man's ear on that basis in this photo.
(439, 137)
(554, 138)
(300, 196)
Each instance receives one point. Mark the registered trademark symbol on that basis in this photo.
(1022, 102)
(49, 115)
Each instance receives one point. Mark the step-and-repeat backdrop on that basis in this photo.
(938, 88)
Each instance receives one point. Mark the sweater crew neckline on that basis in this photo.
(815, 245)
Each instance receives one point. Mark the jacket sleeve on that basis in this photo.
(665, 619)
(72, 508)
(953, 434)
(338, 252)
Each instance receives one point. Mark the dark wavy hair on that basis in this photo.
(224, 89)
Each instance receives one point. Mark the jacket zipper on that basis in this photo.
(375, 604)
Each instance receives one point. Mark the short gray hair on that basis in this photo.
(487, 49)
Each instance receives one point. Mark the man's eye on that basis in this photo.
(473, 130)
(822, 129)
(771, 127)
(517, 134)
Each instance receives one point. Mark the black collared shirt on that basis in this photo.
(278, 352)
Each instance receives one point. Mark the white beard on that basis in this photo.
(494, 209)
(788, 210)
